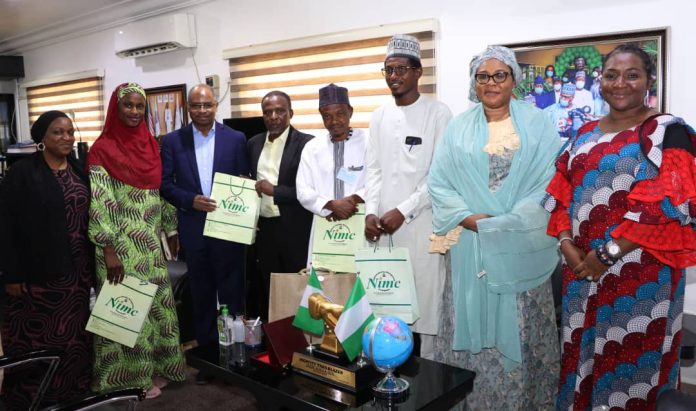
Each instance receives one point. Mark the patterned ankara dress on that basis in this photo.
(55, 314)
(131, 219)
(621, 335)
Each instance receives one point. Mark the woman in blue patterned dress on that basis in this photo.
(621, 204)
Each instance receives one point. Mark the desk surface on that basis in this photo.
(433, 386)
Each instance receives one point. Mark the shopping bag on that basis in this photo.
(287, 289)
(387, 275)
(237, 209)
(334, 242)
(121, 309)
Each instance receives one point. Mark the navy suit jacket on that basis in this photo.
(180, 181)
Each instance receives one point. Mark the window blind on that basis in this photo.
(80, 99)
(302, 72)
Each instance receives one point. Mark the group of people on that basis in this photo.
(570, 100)
(615, 199)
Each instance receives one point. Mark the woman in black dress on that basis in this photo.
(47, 262)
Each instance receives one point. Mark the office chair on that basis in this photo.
(49, 356)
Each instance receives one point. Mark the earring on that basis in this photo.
(41, 146)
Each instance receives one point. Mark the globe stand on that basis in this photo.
(391, 386)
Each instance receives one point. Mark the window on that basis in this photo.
(301, 72)
(80, 99)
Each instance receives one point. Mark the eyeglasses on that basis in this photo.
(499, 77)
(398, 70)
(201, 106)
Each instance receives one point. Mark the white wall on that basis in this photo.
(466, 28)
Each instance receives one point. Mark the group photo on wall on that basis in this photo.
(562, 77)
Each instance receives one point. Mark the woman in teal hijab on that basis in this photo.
(488, 176)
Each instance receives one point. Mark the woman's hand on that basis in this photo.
(590, 268)
(16, 289)
(572, 254)
(114, 267)
(470, 222)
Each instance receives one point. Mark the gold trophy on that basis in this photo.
(328, 362)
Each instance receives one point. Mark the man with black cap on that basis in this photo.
(331, 176)
(403, 135)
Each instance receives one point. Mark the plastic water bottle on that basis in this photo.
(224, 324)
(239, 328)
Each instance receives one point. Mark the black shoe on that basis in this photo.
(202, 378)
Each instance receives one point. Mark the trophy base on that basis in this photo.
(333, 369)
(391, 387)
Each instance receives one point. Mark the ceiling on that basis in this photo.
(28, 24)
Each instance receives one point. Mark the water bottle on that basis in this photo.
(239, 329)
(224, 324)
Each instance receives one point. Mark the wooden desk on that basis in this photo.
(433, 386)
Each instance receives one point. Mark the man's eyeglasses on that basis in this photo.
(499, 77)
(398, 70)
(201, 106)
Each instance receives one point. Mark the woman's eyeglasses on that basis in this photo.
(499, 77)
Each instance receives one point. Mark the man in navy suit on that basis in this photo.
(190, 158)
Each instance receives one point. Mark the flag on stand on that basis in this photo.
(353, 320)
(302, 318)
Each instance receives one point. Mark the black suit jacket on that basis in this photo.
(293, 216)
(34, 242)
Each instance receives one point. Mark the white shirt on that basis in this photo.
(583, 98)
(315, 175)
(205, 154)
(397, 178)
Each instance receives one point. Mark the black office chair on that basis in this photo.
(50, 357)
(131, 396)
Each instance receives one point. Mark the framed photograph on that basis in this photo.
(166, 109)
(562, 76)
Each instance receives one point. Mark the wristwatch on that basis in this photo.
(613, 250)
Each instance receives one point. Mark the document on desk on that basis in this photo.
(237, 210)
(121, 309)
(335, 242)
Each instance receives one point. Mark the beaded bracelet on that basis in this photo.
(603, 255)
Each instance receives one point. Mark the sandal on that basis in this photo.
(153, 392)
(160, 382)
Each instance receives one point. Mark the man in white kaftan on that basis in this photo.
(331, 176)
(403, 135)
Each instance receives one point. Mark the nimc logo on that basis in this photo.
(234, 205)
(339, 233)
(122, 306)
(383, 281)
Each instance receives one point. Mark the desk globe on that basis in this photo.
(388, 342)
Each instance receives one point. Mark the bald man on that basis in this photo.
(190, 158)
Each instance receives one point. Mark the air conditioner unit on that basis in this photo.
(156, 35)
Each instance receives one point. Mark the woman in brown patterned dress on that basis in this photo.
(47, 263)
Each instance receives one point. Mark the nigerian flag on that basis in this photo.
(353, 320)
(302, 318)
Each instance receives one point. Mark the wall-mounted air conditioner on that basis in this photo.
(156, 35)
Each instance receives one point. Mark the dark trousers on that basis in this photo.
(277, 251)
(216, 273)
